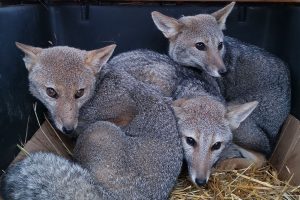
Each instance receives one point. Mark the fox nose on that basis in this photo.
(222, 71)
(67, 130)
(200, 182)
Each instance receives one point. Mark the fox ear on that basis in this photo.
(31, 53)
(167, 25)
(95, 59)
(222, 14)
(238, 113)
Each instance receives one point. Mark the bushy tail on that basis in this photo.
(47, 176)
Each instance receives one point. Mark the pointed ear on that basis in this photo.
(31, 53)
(96, 59)
(222, 14)
(238, 113)
(167, 25)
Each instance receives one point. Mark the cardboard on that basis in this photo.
(47, 139)
(286, 156)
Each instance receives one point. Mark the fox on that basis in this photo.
(127, 139)
(63, 79)
(244, 72)
(206, 125)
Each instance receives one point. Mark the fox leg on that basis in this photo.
(248, 158)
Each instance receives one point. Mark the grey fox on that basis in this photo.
(206, 124)
(142, 158)
(63, 79)
(249, 73)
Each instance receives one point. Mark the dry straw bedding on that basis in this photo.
(243, 184)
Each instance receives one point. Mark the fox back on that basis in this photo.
(63, 79)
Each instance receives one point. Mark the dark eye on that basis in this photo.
(190, 141)
(52, 93)
(220, 45)
(200, 46)
(79, 93)
(216, 146)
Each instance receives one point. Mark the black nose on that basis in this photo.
(67, 131)
(200, 182)
(222, 71)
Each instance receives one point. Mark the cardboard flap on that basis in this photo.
(286, 156)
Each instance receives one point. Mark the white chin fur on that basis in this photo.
(214, 74)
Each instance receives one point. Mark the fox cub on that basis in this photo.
(206, 123)
(138, 159)
(248, 72)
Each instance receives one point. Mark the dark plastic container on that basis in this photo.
(274, 27)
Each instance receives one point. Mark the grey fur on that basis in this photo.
(140, 160)
(161, 72)
(47, 176)
(252, 73)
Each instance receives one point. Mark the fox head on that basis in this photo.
(63, 79)
(206, 127)
(196, 41)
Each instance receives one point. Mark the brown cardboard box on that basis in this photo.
(286, 156)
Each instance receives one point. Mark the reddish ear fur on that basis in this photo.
(167, 25)
(30, 54)
(236, 114)
(95, 59)
(222, 14)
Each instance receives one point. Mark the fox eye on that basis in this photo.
(79, 93)
(51, 93)
(200, 46)
(220, 45)
(190, 141)
(216, 146)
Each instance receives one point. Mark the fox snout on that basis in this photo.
(200, 182)
(66, 118)
(68, 129)
(215, 65)
(201, 179)
(199, 173)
